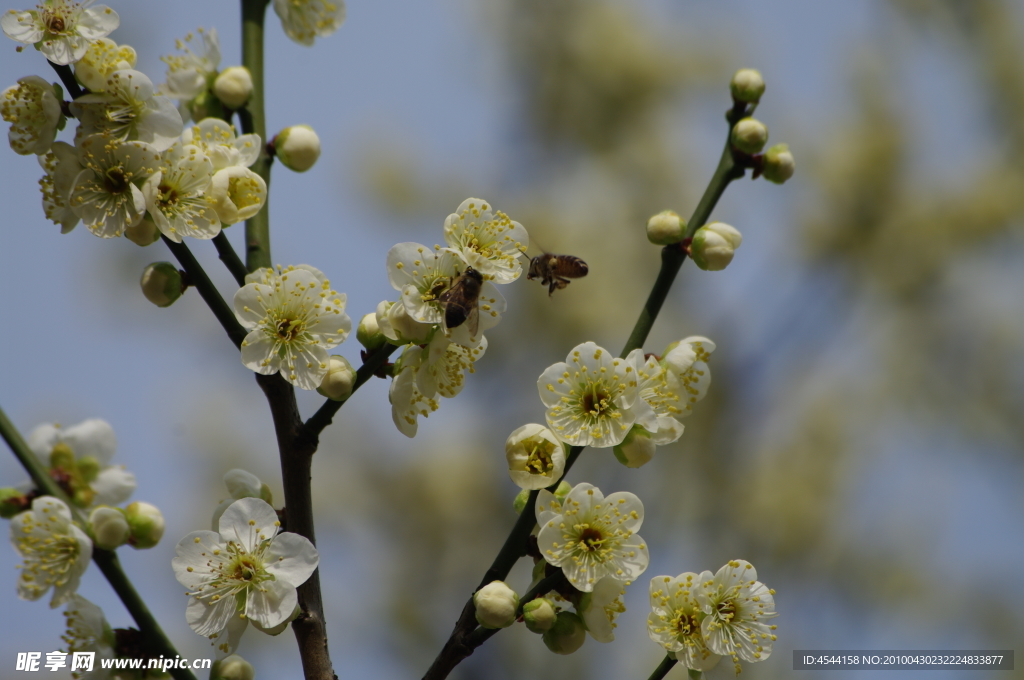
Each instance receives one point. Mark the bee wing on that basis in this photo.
(473, 320)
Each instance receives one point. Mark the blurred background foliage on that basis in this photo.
(861, 441)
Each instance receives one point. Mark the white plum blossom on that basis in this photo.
(88, 631)
(216, 138)
(306, 20)
(101, 60)
(591, 537)
(61, 167)
(600, 608)
(189, 73)
(407, 401)
(244, 571)
(663, 400)
(33, 110)
(490, 243)
(736, 606)
(293, 318)
(106, 194)
(686, 370)
(79, 456)
(61, 29)
(55, 551)
(444, 365)
(237, 193)
(593, 398)
(535, 457)
(423, 275)
(177, 195)
(675, 620)
(129, 109)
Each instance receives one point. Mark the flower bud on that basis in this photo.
(242, 484)
(519, 503)
(339, 381)
(567, 635)
(535, 457)
(162, 284)
(562, 490)
(206, 105)
(298, 147)
(146, 524)
(237, 194)
(108, 527)
(496, 605)
(233, 86)
(636, 449)
(400, 328)
(539, 615)
(143, 233)
(747, 85)
(666, 228)
(778, 164)
(714, 245)
(232, 667)
(749, 135)
(368, 334)
(12, 502)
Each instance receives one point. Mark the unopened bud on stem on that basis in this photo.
(233, 86)
(666, 228)
(713, 246)
(749, 135)
(297, 147)
(162, 284)
(778, 164)
(496, 605)
(747, 85)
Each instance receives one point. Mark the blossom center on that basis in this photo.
(591, 539)
(168, 194)
(726, 610)
(54, 21)
(115, 180)
(596, 401)
(539, 461)
(289, 329)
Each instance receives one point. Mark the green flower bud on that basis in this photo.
(146, 524)
(368, 333)
(12, 502)
(749, 135)
(298, 147)
(108, 527)
(61, 456)
(778, 164)
(747, 85)
(206, 105)
(339, 381)
(562, 490)
(496, 605)
(232, 667)
(233, 86)
(567, 635)
(636, 449)
(713, 246)
(666, 228)
(539, 615)
(162, 284)
(145, 233)
(519, 504)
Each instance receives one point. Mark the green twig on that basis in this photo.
(230, 258)
(198, 278)
(253, 119)
(663, 668)
(106, 560)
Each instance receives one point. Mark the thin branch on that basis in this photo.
(325, 414)
(230, 258)
(74, 90)
(157, 642)
(253, 119)
(663, 668)
(198, 278)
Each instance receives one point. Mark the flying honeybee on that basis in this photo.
(556, 270)
(461, 301)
